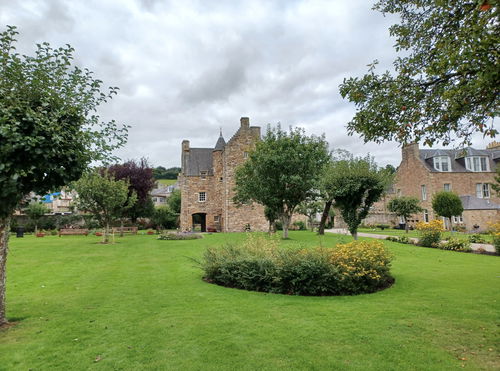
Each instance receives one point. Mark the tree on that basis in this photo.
(164, 217)
(49, 128)
(282, 171)
(141, 181)
(160, 172)
(35, 211)
(310, 208)
(405, 207)
(447, 81)
(496, 187)
(354, 184)
(174, 201)
(447, 204)
(104, 197)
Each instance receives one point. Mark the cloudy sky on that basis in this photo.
(186, 68)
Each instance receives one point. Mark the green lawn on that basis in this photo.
(166, 182)
(141, 304)
(414, 233)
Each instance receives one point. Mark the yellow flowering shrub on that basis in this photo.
(260, 264)
(430, 233)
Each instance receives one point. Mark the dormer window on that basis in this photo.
(442, 163)
(203, 174)
(476, 163)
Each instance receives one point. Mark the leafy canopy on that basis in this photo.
(103, 196)
(447, 204)
(405, 207)
(282, 171)
(354, 184)
(139, 175)
(49, 127)
(446, 82)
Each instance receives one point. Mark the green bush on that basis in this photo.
(179, 236)
(383, 226)
(476, 238)
(299, 225)
(455, 244)
(400, 239)
(259, 264)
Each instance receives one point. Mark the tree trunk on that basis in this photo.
(407, 227)
(272, 227)
(324, 216)
(4, 240)
(354, 235)
(36, 229)
(106, 233)
(285, 219)
(311, 223)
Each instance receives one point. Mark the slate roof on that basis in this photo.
(457, 157)
(221, 143)
(198, 160)
(474, 203)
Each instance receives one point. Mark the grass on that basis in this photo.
(141, 304)
(399, 232)
(166, 182)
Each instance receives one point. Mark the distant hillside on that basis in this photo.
(160, 172)
(166, 182)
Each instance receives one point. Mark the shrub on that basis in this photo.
(383, 226)
(494, 229)
(430, 233)
(179, 236)
(259, 264)
(455, 244)
(476, 238)
(400, 239)
(299, 225)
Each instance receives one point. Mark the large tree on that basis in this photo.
(141, 181)
(405, 207)
(49, 128)
(445, 84)
(353, 185)
(282, 171)
(104, 197)
(447, 204)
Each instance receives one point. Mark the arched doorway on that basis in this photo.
(199, 222)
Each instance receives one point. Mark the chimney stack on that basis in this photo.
(185, 145)
(245, 122)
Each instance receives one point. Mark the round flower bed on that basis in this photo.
(260, 264)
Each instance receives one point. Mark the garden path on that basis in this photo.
(474, 246)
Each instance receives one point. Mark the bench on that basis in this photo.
(73, 231)
(132, 230)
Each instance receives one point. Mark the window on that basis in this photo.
(482, 190)
(216, 218)
(447, 187)
(424, 192)
(203, 174)
(202, 196)
(442, 163)
(398, 192)
(245, 154)
(426, 216)
(476, 163)
(458, 219)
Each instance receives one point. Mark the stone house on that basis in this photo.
(468, 172)
(207, 180)
(161, 194)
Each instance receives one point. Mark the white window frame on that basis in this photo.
(483, 190)
(477, 163)
(439, 161)
(423, 191)
(203, 174)
(245, 154)
(445, 188)
(458, 219)
(426, 215)
(216, 218)
(202, 196)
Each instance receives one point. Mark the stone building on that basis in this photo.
(468, 172)
(207, 181)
